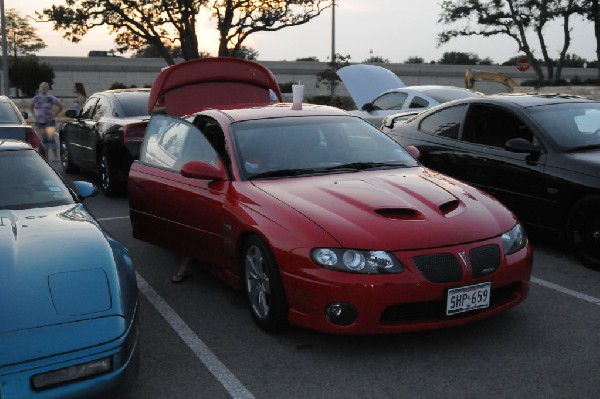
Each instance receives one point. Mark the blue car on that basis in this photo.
(68, 291)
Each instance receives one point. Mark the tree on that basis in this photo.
(26, 73)
(459, 58)
(151, 51)
(375, 59)
(513, 18)
(414, 60)
(21, 37)
(245, 53)
(238, 19)
(135, 24)
(312, 58)
(591, 10)
(329, 76)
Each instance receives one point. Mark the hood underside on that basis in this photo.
(366, 82)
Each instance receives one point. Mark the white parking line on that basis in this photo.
(567, 291)
(233, 386)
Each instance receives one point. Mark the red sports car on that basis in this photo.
(322, 220)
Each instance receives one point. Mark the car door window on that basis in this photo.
(393, 100)
(418, 102)
(171, 142)
(103, 108)
(494, 126)
(444, 123)
(88, 108)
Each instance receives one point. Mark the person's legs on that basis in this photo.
(184, 271)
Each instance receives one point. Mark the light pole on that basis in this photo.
(4, 50)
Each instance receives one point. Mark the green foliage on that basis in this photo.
(312, 58)
(117, 85)
(245, 53)
(459, 58)
(329, 76)
(151, 51)
(26, 74)
(286, 87)
(414, 60)
(21, 36)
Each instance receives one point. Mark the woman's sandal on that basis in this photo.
(180, 278)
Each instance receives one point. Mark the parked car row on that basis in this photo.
(318, 217)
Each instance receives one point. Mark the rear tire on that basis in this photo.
(263, 287)
(65, 158)
(110, 185)
(583, 231)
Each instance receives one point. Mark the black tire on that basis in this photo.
(111, 187)
(65, 158)
(263, 287)
(583, 231)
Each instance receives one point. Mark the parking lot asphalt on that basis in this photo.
(198, 339)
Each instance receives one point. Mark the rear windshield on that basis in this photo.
(26, 181)
(134, 103)
(8, 114)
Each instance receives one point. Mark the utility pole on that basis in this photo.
(333, 82)
(5, 80)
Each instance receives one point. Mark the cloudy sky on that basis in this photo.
(392, 29)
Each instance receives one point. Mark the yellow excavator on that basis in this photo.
(476, 75)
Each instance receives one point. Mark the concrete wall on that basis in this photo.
(99, 73)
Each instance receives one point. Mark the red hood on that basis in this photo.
(191, 86)
(394, 210)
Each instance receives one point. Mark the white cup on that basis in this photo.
(297, 94)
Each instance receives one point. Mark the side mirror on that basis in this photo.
(204, 171)
(85, 189)
(414, 151)
(367, 107)
(71, 113)
(25, 114)
(521, 145)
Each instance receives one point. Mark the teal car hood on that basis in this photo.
(56, 267)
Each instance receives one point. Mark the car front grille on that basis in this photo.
(439, 268)
(484, 260)
(436, 310)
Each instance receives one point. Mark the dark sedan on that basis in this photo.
(14, 126)
(106, 135)
(539, 154)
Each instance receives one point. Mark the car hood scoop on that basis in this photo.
(49, 267)
(411, 209)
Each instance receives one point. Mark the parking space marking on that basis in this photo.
(556, 287)
(233, 386)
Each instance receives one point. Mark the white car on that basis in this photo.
(378, 92)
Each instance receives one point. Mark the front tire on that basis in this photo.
(583, 231)
(263, 287)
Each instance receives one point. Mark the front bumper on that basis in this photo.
(409, 301)
(16, 379)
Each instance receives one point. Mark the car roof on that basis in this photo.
(12, 145)
(280, 110)
(535, 99)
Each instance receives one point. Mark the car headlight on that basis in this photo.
(356, 261)
(72, 373)
(514, 240)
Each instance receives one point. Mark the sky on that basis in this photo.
(392, 29)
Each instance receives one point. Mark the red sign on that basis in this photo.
(523, 64)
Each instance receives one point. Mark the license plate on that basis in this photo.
(465, 299)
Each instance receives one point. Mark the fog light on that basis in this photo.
(72, 373)
(341, 313)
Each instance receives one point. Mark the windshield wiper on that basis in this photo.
(355, 166)
(284, 173)
(584, 148)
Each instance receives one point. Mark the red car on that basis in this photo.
(318, 217)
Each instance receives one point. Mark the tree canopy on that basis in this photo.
(21, 36)
(514, 18)
(165, 25)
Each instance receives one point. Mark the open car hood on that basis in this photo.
(365, 82)
(192, 86)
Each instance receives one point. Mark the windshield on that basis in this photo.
(284, 147)
(134, 103)
(571, 126)
(26, 181)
